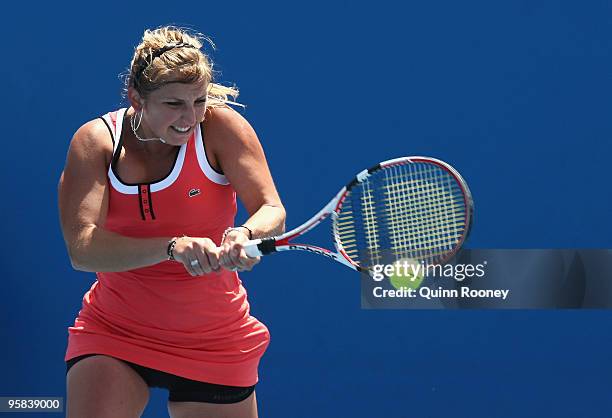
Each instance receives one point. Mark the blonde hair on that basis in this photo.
(184, 63)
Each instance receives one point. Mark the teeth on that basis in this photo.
(181, 129)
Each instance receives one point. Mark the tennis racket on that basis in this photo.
(411, 207)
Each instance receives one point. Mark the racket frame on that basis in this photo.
(264, 246)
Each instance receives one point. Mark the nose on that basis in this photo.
(190, 115)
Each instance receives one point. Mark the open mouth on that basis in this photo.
(181, 130)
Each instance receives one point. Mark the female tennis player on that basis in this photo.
(147, 201)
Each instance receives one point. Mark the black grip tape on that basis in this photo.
(267, 246)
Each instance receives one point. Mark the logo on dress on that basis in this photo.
(194, 192)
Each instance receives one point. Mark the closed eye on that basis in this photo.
(198, 102)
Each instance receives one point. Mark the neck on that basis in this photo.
(150, 145)
(136, 125)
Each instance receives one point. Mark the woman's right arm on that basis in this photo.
(83, 204)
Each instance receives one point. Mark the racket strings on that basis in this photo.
(414, 210)
(424, 211)
(368, 209)
(344, 229)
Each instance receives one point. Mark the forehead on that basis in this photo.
(181, 90)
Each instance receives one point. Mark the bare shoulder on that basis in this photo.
(83, 186)
(229, 124)
(92, 141)
(228, 135)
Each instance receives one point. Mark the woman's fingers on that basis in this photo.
(224, 258)
(211, 254)
(199, 255)
(235, 258)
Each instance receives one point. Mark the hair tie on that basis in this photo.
(157, 54)
(169, 47)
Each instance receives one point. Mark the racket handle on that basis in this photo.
(259, 247)
(250, 248)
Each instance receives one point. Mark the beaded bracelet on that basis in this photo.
(233, 228)
(248, 229)
(170, 249)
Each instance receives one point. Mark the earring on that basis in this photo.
(135, 126)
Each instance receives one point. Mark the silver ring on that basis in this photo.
(194, 263)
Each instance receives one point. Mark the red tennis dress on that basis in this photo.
(159, 316)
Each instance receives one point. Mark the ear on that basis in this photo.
(135, 99)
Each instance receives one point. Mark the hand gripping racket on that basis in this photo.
(411, 207)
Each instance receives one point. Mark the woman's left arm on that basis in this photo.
(240, 156)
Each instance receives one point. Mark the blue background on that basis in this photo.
(515, 94)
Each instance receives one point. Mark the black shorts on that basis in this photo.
(183, 389)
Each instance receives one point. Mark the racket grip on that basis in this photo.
(259, 247)
(250, 248)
